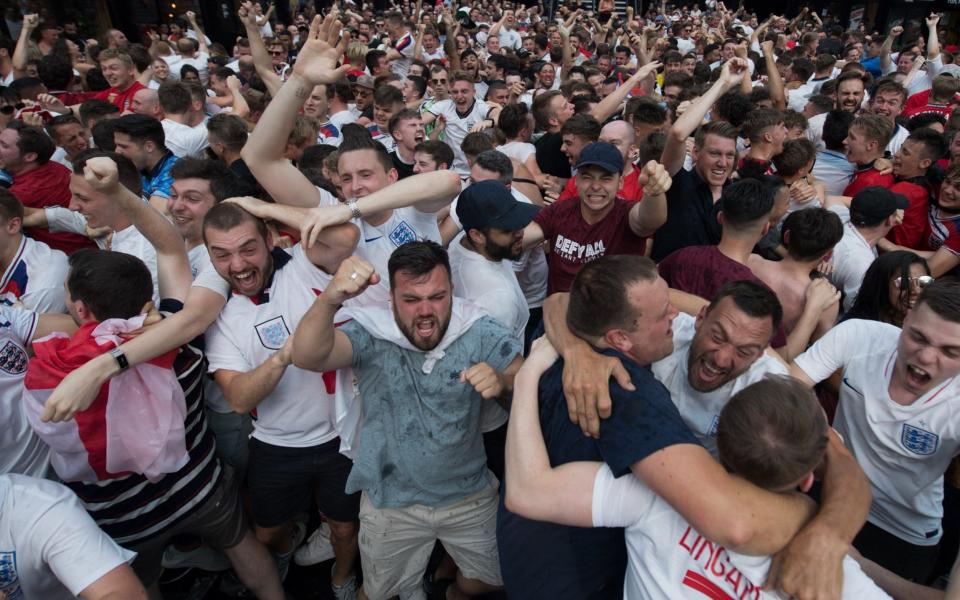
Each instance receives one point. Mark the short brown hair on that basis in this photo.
(109, 53)
(224, 216)
(128, 173)
(719, 128)
(542, 113)
(598, 295)
(773, 432)
(796, 155)
(875, 128)
(10, 206)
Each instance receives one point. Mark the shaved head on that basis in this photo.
(621, 135)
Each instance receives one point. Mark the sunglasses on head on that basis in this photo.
(10, 108)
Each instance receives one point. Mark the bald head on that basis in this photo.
(147, 102)
(621, 135)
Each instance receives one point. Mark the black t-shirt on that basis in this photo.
(691, 216)
(540, 560)
(549, 157)
(403, 169)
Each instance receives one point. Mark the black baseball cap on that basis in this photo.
(491, 204)
(602, 154)
(873, 204)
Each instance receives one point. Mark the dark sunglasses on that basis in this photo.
(10, 108)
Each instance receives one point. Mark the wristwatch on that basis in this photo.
(121, 359)
(354, 209)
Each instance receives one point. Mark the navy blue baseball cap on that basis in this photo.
(602, 154)
(491, 204)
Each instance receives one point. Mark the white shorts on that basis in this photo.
(395, 543)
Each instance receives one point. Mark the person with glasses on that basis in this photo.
(891, 287)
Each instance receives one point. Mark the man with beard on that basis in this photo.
(849, 98)
(295, 447)
(718, 353)
(690, 202)
(407, 131)
(426, 364)
(897, 414)
(493, 222)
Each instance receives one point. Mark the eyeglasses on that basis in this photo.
(917, 282)
(11, 108)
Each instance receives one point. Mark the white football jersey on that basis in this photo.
(35, 277)
(300, 411)
(701, 410)
(904, 450)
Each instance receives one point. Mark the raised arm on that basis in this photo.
(201, 38)
(774, 81)
(326, 250)
(609, 105)
(567, 60)
(933, 39)
(675, 149)
(19, 59)
(317, 345)
(887, 46)
(534, 489)
(173, 267)
(240, 106)
(418, 45)
(316, 64)
(261, 58)
(648, 216)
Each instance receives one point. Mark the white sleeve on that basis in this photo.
(857, 584)
(22, 323)
(51, 299)
(60, 219)
(307, 272)
(619, 502)
(835, 348)
(209, 278)
(222, 351)
(50, 522)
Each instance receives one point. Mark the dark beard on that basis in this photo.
(499, 253)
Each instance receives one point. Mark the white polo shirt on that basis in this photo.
(300, 411)
(50, 548)
(904, 450)
(669, 559)
(701, 410)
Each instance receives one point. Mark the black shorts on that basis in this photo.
(281, 481)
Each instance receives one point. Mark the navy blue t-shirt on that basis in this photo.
(549, 561)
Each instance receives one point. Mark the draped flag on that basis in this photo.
(136, 422)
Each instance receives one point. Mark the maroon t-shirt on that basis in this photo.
(574, 242)
(49, 185)
(703, 270)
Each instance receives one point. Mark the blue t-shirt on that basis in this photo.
(421, 441)
(548, 561)
(158, 181)
(872, 65)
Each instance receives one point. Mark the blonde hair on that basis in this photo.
(357, 51)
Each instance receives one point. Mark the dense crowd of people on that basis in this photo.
(482, 299)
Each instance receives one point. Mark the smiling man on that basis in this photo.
(897, 411)
(121, 74)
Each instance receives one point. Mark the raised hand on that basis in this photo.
(654, 179)
(317, 60)
(734, 70)
(932, 20)
(102, 175)
(31, 21)
(895, 31)
(353, 277)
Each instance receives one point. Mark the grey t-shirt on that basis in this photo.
(421, 441)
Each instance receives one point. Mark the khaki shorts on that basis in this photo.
(395, 543)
